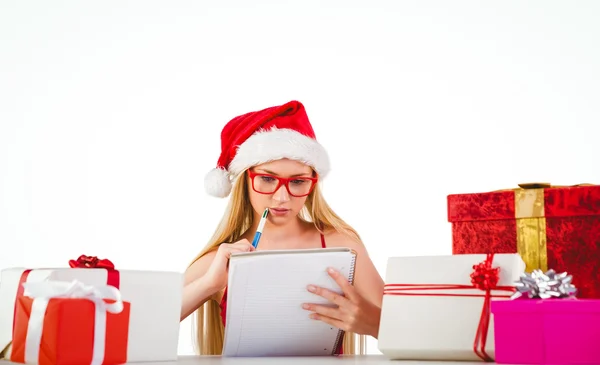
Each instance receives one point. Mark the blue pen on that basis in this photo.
(259, 230)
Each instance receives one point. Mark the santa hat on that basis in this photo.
(257, 137)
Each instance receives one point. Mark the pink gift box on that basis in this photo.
(548, 332)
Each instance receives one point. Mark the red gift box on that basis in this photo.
(549, 226)
(60, 323)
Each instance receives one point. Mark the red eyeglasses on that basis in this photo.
(268, 184)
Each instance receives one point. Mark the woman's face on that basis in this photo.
(267, 188)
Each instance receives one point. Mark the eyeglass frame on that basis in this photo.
(283, 181)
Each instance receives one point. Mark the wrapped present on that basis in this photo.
(155, 297)
(549, 226)
(546, 324)
(567, 328)
(437, 307)
(68, 323)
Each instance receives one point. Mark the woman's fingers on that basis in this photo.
(349, 291)
(330, 321)
(345, 312)
(331, 296)
(324, 310)
(242, 245)
(349, 294)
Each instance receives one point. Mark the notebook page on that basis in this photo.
(264, 304)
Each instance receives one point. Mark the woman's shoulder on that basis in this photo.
(335, 238)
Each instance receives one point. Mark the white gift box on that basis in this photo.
(429, 321)
(155, 298)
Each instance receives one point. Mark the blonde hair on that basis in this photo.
(237, 219)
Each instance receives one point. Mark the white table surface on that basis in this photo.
(326, 360)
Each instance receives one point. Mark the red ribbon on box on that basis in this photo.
(70, 323)
(484, 278)
(93, 262)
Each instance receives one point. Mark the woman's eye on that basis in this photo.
(267, 179)
(298, 182)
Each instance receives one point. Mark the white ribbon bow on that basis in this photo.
(43, 291)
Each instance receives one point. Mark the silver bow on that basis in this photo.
(544, 285)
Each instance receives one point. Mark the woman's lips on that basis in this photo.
(278, 211)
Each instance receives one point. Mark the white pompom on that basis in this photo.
(217, 183)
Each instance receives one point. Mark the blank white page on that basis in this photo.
(265, 294)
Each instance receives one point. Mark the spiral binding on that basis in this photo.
(352, 268)
(338, 341)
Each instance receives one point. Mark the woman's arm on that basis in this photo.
(198, 288)
(208, 275)
(195, 294)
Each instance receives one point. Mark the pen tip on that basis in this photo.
(265, 212)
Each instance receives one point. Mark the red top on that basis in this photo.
(223, 304)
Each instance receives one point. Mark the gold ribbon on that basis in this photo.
(531, 228)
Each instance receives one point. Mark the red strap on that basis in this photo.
(223, 306)
(323, 241)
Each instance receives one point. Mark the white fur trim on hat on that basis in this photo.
(217, 183)
(264, 146)
(274, 144)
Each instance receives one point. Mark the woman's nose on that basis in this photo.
(282, 194)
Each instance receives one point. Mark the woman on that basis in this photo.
(274, 161)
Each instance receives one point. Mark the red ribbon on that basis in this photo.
(93, 262)
(484, 278)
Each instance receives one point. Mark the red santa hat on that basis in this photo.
(257, 137)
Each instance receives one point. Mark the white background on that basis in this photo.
(110, 114)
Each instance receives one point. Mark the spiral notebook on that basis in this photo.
(266, 290)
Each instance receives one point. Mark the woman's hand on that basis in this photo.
(351, 313)
(217, 272)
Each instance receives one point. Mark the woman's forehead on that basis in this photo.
(285, 167)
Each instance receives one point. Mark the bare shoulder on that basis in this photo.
(339, 239)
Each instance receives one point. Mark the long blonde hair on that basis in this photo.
(237, 219)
